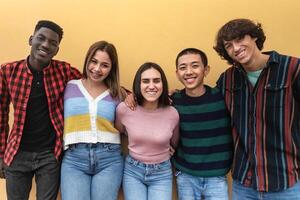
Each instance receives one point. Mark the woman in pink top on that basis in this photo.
(152, 130)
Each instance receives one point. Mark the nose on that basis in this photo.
(45, 44)
(97, 67)
(189, 70)
(236, 46)
(151, 85)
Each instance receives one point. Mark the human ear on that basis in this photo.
(30, 40)
(207, 70)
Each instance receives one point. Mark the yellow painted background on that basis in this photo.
(144, 30)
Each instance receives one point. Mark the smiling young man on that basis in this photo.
(35, 88)
(262, 94)
(204, 154)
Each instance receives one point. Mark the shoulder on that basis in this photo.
(177, 94)
(13, 64)
(215, 91)
(215, 95)
(177, 97)
(172, 112)
(281, 58)
(122, 108)
(72, 87)
(227, 71)
(59, 63)
(73, 83)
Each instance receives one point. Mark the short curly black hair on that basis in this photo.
(235, 29)
(51, 25)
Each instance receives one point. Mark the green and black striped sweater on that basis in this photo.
(205, 146)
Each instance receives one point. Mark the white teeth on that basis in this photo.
(190, 80)
(43, 52)
(240, 53)
(151, 92)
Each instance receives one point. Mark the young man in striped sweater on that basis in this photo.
(204, 155)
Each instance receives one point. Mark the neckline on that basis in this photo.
(87, 94)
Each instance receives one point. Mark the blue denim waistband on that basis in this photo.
(91, 145)
(135, 162)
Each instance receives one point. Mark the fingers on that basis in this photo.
(171, 151)
(130, 102)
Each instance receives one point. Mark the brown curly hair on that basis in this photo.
(237, 29)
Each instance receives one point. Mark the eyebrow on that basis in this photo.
(151, 78)
(44, 36)
(108, 63)
(194, 62)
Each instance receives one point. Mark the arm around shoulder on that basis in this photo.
(175, 137)
(74, 73)
(119, 115)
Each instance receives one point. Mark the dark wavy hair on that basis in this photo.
(136, 87)
(237, 29)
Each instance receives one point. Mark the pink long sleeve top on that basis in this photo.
(150, 132)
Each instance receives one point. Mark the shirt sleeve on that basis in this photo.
(220, 83)
(4, 112)
(74, 74)
(296, 84)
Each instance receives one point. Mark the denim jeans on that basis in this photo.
(246, 193)
(92, 171)
(147, 181)
(194, 188)
(25, 165)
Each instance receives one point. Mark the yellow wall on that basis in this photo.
(144, 30)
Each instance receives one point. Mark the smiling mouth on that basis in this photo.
(151, 92)
(240, 53)
(42, 52)
(190, 79)
(95, 75)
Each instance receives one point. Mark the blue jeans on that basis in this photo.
(247, 193)
(42, 165)
(147, 181)
(91, 171)
(194, 188)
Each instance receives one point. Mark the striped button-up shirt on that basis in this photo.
(15, 85)
(266, 123)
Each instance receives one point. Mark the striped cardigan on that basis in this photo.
(88, 120)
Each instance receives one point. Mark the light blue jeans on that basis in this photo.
(246, 193)
(194, 188)
(91, 172)
(147, 181)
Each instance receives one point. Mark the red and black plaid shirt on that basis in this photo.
(15, 86)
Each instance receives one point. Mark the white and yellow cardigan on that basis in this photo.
(88, 120)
